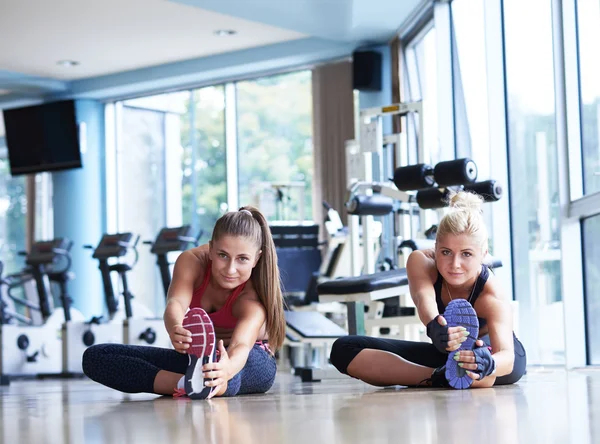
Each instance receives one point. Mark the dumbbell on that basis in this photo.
(445, 174)
(490, 190)
(432, 198)
(375, 205)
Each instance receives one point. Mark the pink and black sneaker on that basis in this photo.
(202, 351)
(460, 313)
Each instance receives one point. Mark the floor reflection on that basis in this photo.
(547, 407)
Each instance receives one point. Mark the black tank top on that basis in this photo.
(479, 284)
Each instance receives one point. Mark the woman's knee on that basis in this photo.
(89, 359)
(344, 350)
(92, 358)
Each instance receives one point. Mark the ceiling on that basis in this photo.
(108, 37)
(357, 21)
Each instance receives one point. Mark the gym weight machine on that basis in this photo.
(413, 188)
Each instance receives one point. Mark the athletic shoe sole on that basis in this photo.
(459, 313)
(201, 352)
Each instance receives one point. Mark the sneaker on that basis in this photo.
(459, 313)
(436, 380)
(202, 351)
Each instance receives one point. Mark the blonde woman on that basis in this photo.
(463, 306)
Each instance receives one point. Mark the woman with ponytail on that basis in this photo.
(462, 305)
(224, 315)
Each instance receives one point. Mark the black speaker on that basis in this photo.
(366, 70)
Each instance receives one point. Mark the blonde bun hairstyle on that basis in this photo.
(465, 217)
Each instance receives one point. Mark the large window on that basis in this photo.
(13, 213)
(176, 152)
(205, 177)
(591, 232)
(534, 178)
(421, 75)
(588, 17)
(470, 84)
(141, 196)
(169, 170)
(275, 161)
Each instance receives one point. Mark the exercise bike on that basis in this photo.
(30, 334)
(167, 241)
(127, 323)
(140, 324)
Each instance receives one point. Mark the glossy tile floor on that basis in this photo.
(547, 406)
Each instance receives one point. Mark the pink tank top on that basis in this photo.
(222, 318)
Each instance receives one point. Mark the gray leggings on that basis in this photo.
(133, 368)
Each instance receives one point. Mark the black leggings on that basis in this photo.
(346, 348)
(132, 368)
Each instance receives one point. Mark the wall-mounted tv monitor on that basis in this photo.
(42, 138)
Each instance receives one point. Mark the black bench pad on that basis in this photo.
(377, 281)
(364, 284)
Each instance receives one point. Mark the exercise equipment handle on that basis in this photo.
(134, 248)
(189, 239)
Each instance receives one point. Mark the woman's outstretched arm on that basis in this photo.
(179, 299)
(418, 271)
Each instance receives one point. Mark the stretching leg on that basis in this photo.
(257, 376)
(382, 368)
(384, 362)
(135, 369)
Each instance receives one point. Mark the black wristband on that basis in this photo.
(486, 365)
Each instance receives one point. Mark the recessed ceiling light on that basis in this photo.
(67, 63)
(224, 32)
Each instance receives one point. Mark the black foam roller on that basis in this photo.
(490, 190)
(455, 172)
(432, 198)
(375, 205)
(413, 177)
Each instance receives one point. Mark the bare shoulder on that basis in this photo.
(197, 256)
(248, 303)
(191, 265)
(200, 253)
(248, 293)
(421, 258)
(492, 302)
(421, 264)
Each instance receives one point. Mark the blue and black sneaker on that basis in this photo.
(460, 313)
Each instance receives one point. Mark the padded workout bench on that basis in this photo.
(356, 291)
(307, 331)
